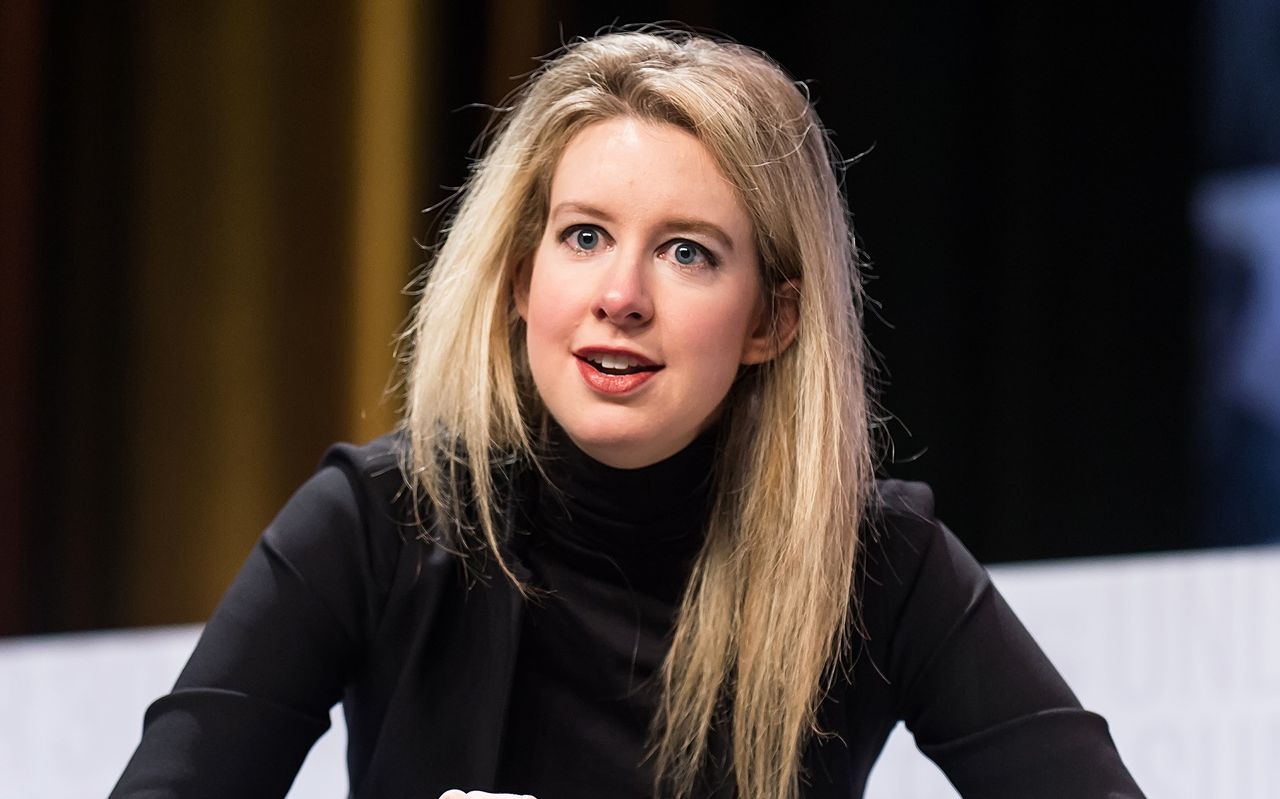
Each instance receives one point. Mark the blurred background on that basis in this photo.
(208, 213)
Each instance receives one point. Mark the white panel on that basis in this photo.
(1181, 653)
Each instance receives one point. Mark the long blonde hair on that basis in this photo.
(769, 604)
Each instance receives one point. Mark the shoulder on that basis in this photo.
(354, 513)
(358, 486)
(908, 554)
(902, 518)
(903, 501)
(901, 522)
(375, 469)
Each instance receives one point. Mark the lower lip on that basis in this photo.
(612, 384)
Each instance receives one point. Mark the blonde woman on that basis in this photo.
(628, 542)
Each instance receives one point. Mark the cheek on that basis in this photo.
(717, 333)
(550, 316)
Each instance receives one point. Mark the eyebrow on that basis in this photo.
(697, 226)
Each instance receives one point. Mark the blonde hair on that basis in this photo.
(768, 608)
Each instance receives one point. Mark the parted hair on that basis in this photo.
(767, 614)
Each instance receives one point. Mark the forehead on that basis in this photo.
(635, 167)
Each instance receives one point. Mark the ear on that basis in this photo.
(774, 333)
(520, 286)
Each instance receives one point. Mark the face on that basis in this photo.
(643, 297)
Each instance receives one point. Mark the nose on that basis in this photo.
(623, 297)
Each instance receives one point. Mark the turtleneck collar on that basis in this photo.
(659, 510)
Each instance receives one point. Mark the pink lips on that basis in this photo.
(612, 384)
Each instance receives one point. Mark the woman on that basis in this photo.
(629, 541)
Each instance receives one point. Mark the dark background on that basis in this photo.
(183, 198)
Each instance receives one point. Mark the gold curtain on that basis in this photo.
(273, 233)
(285, 157)
(211, 212)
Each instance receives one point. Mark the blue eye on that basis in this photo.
(686, 253)
(584, 238)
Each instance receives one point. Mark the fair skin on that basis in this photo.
(643, 298)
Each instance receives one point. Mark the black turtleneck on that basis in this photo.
(449, 682)
(612, 550)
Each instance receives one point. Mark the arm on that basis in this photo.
(978, 694)
(272, 660)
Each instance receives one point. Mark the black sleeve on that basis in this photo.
(274, 657)
(978, 694)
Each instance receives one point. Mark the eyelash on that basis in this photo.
(709, 259)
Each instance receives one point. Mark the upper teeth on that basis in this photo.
(615, 361)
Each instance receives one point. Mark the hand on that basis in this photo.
(457, 794)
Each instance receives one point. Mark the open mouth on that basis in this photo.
(615, 373)
(617, 364)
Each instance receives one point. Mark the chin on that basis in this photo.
(623, 446)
